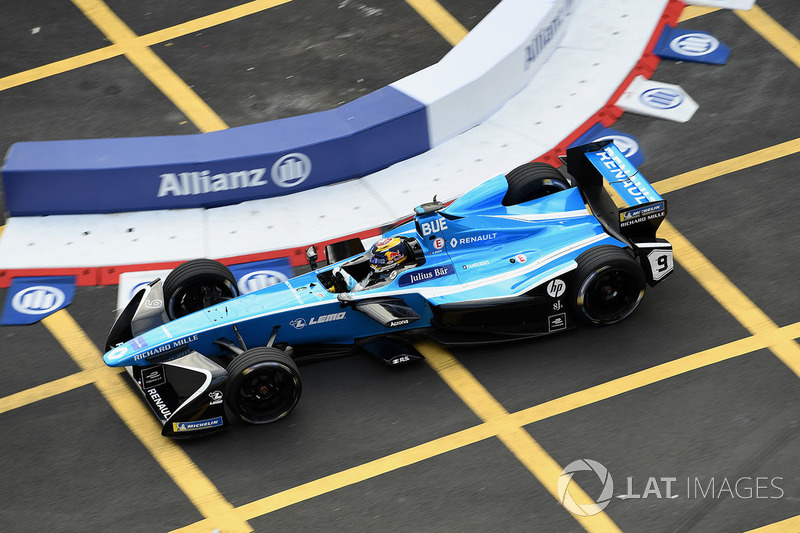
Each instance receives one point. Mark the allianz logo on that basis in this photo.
(288, 171)
(260, 279)
(38, 300)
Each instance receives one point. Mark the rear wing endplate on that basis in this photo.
(643, 208)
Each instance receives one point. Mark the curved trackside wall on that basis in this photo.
(494, 62)
(216, 168)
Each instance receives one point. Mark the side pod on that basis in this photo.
(186, 394)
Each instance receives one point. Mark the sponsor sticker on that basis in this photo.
(434, 226)
(636, 215)
(178, 343)
(438, 243)
(215, 397)
(557, 322)
(153, 377)
(425, 274)
(196, 425)
(475, 265)
(472, 239)
(556, 288)
(116, 354)
(137, 343)
(300, 323)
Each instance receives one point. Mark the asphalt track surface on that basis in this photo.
(701, 385)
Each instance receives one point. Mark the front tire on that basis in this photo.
(197, 284)
(263, 385)
(609, 285)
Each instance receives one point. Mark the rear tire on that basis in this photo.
(197, 284)
(263, 385)
(609, 284)
(531, 181)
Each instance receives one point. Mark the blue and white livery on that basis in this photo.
(536, 251)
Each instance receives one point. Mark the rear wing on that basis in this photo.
(642, 208)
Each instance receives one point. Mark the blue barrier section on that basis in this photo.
(31, 299)
(217, 168)
(691, 45)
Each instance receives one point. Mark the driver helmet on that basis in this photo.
(387, 254)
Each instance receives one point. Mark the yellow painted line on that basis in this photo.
(132, 410)
(690, 12)
(59, 67)
(150, 39)
(209, 21)
(774, 33)
(727, 167)
(440, 19)
(641, 379)
(790, 525)
(516, 438)
(46, 390)
(151, 66)
(487, 430)
(730, 297)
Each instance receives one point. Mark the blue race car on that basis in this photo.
(536, 251)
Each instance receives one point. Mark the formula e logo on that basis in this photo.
(556, 288)
(438, 243)
(661, 98)
(429, 228)
(627, 145)
(291, 170)
(694, 44)
(298, 323)
(259, 279)
(38, 300)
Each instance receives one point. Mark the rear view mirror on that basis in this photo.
(311, 256)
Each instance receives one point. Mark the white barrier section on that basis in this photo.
(601, 44)
(493, 63)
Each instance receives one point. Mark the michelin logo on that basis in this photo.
(196, 425)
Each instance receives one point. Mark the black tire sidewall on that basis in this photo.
(591, 265)
(197, 271)
(531, 181)
(254, 358)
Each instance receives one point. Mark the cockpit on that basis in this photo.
(377, 267)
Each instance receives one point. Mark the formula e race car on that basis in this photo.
(536, 251)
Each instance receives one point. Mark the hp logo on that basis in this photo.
(38, 300)
(694, 44)
(627, 145)
(556, 288)
(259, 279)
(661, 98)
(291, 170)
